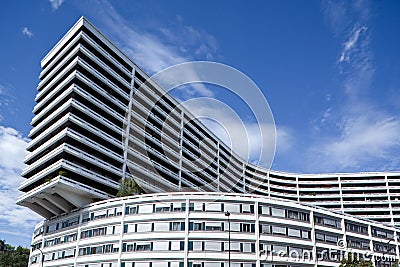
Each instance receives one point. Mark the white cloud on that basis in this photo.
(349, 46)
(157, 49)
(365, 138)
(361, 136)
(12, 147)
(55, 4)
(27, 32)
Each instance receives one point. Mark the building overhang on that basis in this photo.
(60, 195)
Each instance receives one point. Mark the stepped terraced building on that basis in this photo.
(98, 120)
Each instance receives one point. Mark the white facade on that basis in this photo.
(191, 229)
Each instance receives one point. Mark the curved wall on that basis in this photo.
(192, 229)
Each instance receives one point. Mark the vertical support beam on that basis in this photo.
(341, 194)
(218, 167)
(244, 177)
(187, 212)
(257, 233)
(389, 200)
(121, 233)
(313, 241)
(181, 149)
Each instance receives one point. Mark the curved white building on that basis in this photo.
(192, 229)
(98, 119)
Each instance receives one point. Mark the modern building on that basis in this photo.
(193, 229)
(98, 119)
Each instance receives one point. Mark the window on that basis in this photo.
(214, 207)
(234, 227)
(232, 208)
(264, 210)
(177, 226)
(143, 246)
(130, 210)
(177, 245)
(327, 221)
(294, 232)
(279, 250)
(143, 227)
(265, 228)
(247, 227)
(351, 227)
(163, 207)
(247, 208)
(331, 239)
(213, 226)
(235, 246)
(278, 230)
(145, 208)
(196, 206)
(382, 233)
(278, 212)
(161, 226)
(197, 226)
(212, 246)
(248, 247)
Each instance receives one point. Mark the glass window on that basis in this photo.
(320, 237)
(197, 206)
(235, 227)
(159, 264)
(247, 208)
(161, 226)
(146, 208)
(278, 230)
(235, 246)
(305, 234)
(197, 245)
(212, 246)
(278, 212)
(143, 227)
(177, 226)
(264, 210)
(293, 214)
(176, 245)
(331, 238)
(294, 232)
(213, 206)
(130, 210)
(280, 250)
(265, 228)
(247, 247)
(213, 226)
(232, 208)
(161, 246)
(143, 246)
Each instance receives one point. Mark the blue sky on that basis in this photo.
(330, 71)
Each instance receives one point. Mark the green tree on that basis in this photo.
(14, 257)
(352, 261)
(128, 187)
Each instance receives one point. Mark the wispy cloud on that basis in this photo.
(55, 4)
(11, 163)
(27, 32)
(6, 101)
(157, 48)
(362, 136)
(350, 44)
